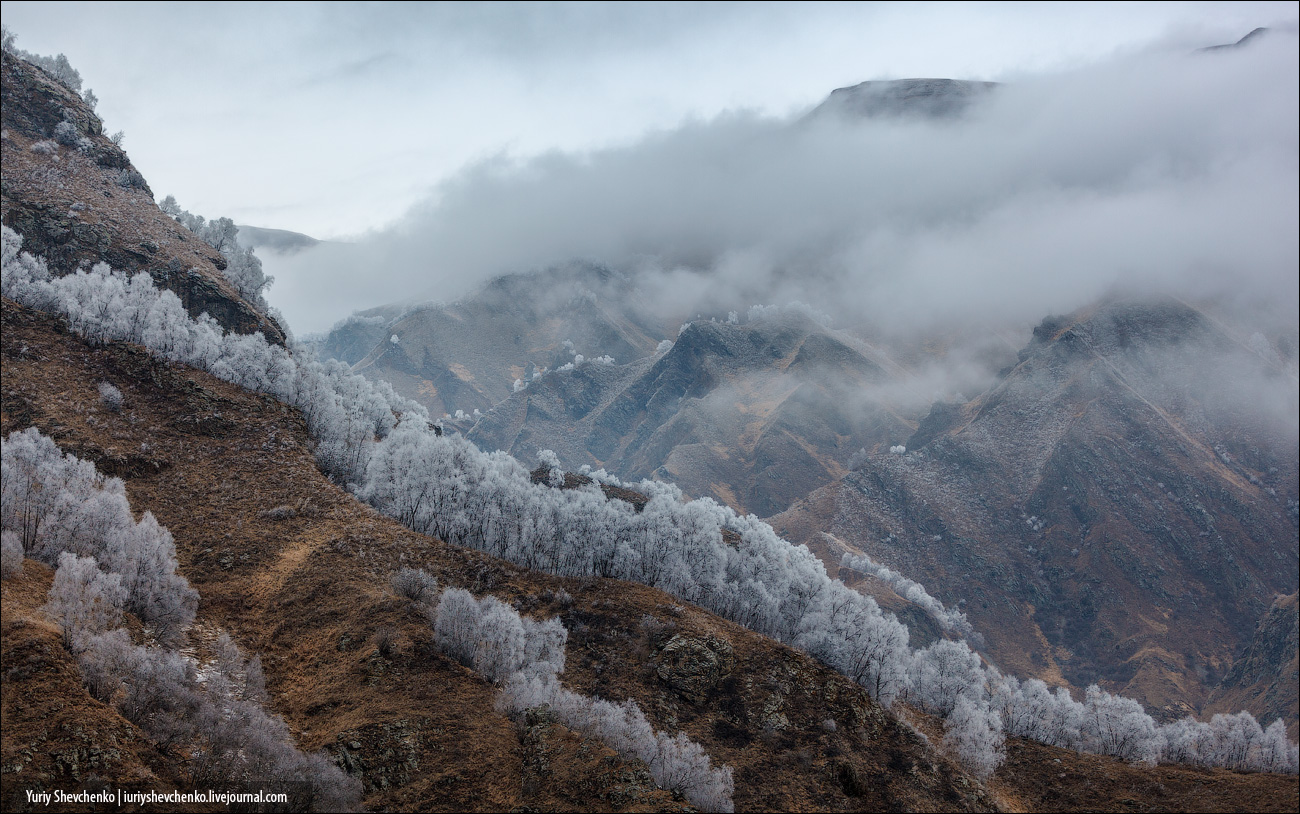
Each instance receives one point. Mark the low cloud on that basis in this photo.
(1171, 172)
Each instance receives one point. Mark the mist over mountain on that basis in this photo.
(280, 241)
(1168, 172)
(333, 590)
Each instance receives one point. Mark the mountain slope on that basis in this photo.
(467, 355)
(930, 98)
(754, 415)
(1114, 510)
(353, 669)
(1266, 677)
(84, 203)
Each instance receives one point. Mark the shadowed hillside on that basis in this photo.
(1120, 508)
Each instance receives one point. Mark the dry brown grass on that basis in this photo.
(353, 668)
(309, 592)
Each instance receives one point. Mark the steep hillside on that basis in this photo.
(297, 570)
(467, 355)
(754, 415)
(82, 202)
(1266, 677)
(54, 731)
(1117, 509)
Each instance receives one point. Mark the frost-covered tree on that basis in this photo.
(11, 554)
(56, 504)
(494, 639)
(1114, 725)
(243, 268)
(1275, 752)
(57, 66)
(83, 601)
(973, 734)
(942, 674)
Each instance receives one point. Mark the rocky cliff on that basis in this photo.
(76, 199)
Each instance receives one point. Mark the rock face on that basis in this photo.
(84, 203)
(1118, 509)
(1266, 678)
(694, 667)
(929, 98)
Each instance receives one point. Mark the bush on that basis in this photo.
(130, 178)
(415, 584)
(66, 133)
(110, 397)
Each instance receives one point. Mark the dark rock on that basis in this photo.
(695, 666)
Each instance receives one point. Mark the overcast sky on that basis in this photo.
(332, 119)
(470, 140)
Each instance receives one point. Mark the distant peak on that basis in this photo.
(1250, 38)
(933, 98)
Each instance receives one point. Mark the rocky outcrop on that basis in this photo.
(82, 202)
(1266, 677)
(694, 666)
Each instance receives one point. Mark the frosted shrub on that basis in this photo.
(110, 397)
(230, 740)
(415, 584)
(65, 133)
(675, 762)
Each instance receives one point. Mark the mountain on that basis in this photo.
(467, 355)
(281, 241)
(1121, 507)
(297, 570)
(754, 415)
(76, 198)
(930, 98)
(1266, 677)
(1250, 39)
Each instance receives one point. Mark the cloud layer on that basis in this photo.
(1171, 172)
